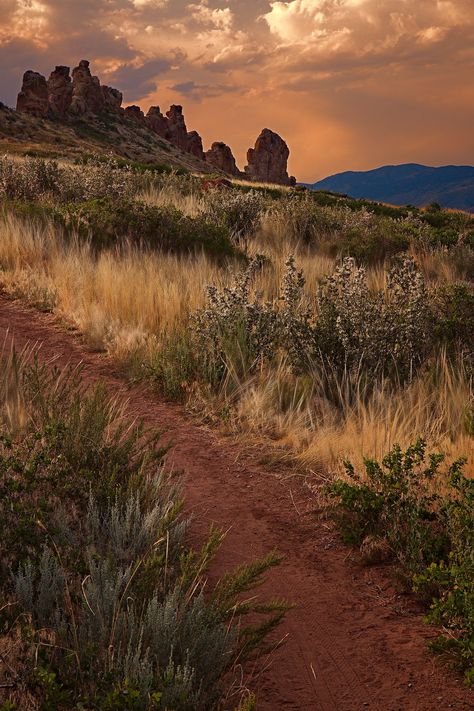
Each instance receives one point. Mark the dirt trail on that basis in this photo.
(350, 644)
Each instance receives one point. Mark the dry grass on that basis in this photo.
(112, 297)
(256, 184)
(142, 293)
(13, 411)
(311, 431)
(126, 302)
(190, 205)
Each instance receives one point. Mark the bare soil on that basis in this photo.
(352, 642)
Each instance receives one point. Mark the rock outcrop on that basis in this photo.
(268, 160)
(59, 91)
(194, 145)
(156, 121)
(33, 97)
(83, 97)
(220, 156)
(177, 133)
(112, 100)
(87, 95)
(62, 97)
(135, 114)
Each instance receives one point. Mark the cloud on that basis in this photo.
(361, 27)
(149, 3)
(138, 81)
(217, 18)
(198, 92)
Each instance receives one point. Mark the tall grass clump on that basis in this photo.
(104, 603)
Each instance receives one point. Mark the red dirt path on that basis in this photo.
(350, 645)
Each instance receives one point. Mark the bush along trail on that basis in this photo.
(351, 642)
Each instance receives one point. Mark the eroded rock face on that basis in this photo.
(59, 91)
(33, 97)
(87, 95)
(112, 100)
(221, 157)
(177, 133)
(82, 96)
(136, 114)
(194, 145)
(268, 160)
(156, 121)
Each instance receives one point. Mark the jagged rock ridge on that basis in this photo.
(82, 96)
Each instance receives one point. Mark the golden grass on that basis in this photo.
(295, 414)
(125, 302)
(190, 205)
(13, 410)
(133, 292)
(255, 184)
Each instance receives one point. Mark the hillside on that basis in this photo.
(75, 114)
(409, 184)
(21, 133)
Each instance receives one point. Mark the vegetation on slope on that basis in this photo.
(99, 135)
(103, 603)
(348, 329)
(98, 202)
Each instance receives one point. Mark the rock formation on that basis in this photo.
(83, 97)
(61, 97)
(136, 114)
(59, 91)
(177, 133)
(112, 100)
(194, 145)
(33, 97)
(268, 161)
(221, 157)
(87, 95)
(156, 121)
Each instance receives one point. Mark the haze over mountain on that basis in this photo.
(408, 184)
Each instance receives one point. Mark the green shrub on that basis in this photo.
(452, 579)
(371, 248)
(234, 331)
(396, 500)
(107, 223)
(385, 334)
(239, 213)
(380, 335)
(426, 516)
(174, 364)
(453, 307)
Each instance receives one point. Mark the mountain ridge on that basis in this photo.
(452, 186)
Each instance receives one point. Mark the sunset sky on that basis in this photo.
(349, 84)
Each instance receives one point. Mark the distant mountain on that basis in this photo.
(408, 184)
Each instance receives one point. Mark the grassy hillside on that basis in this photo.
(322, 328)
(98, 135)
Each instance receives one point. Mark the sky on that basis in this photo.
(349, 84)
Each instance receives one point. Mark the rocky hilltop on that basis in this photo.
(79, 99)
